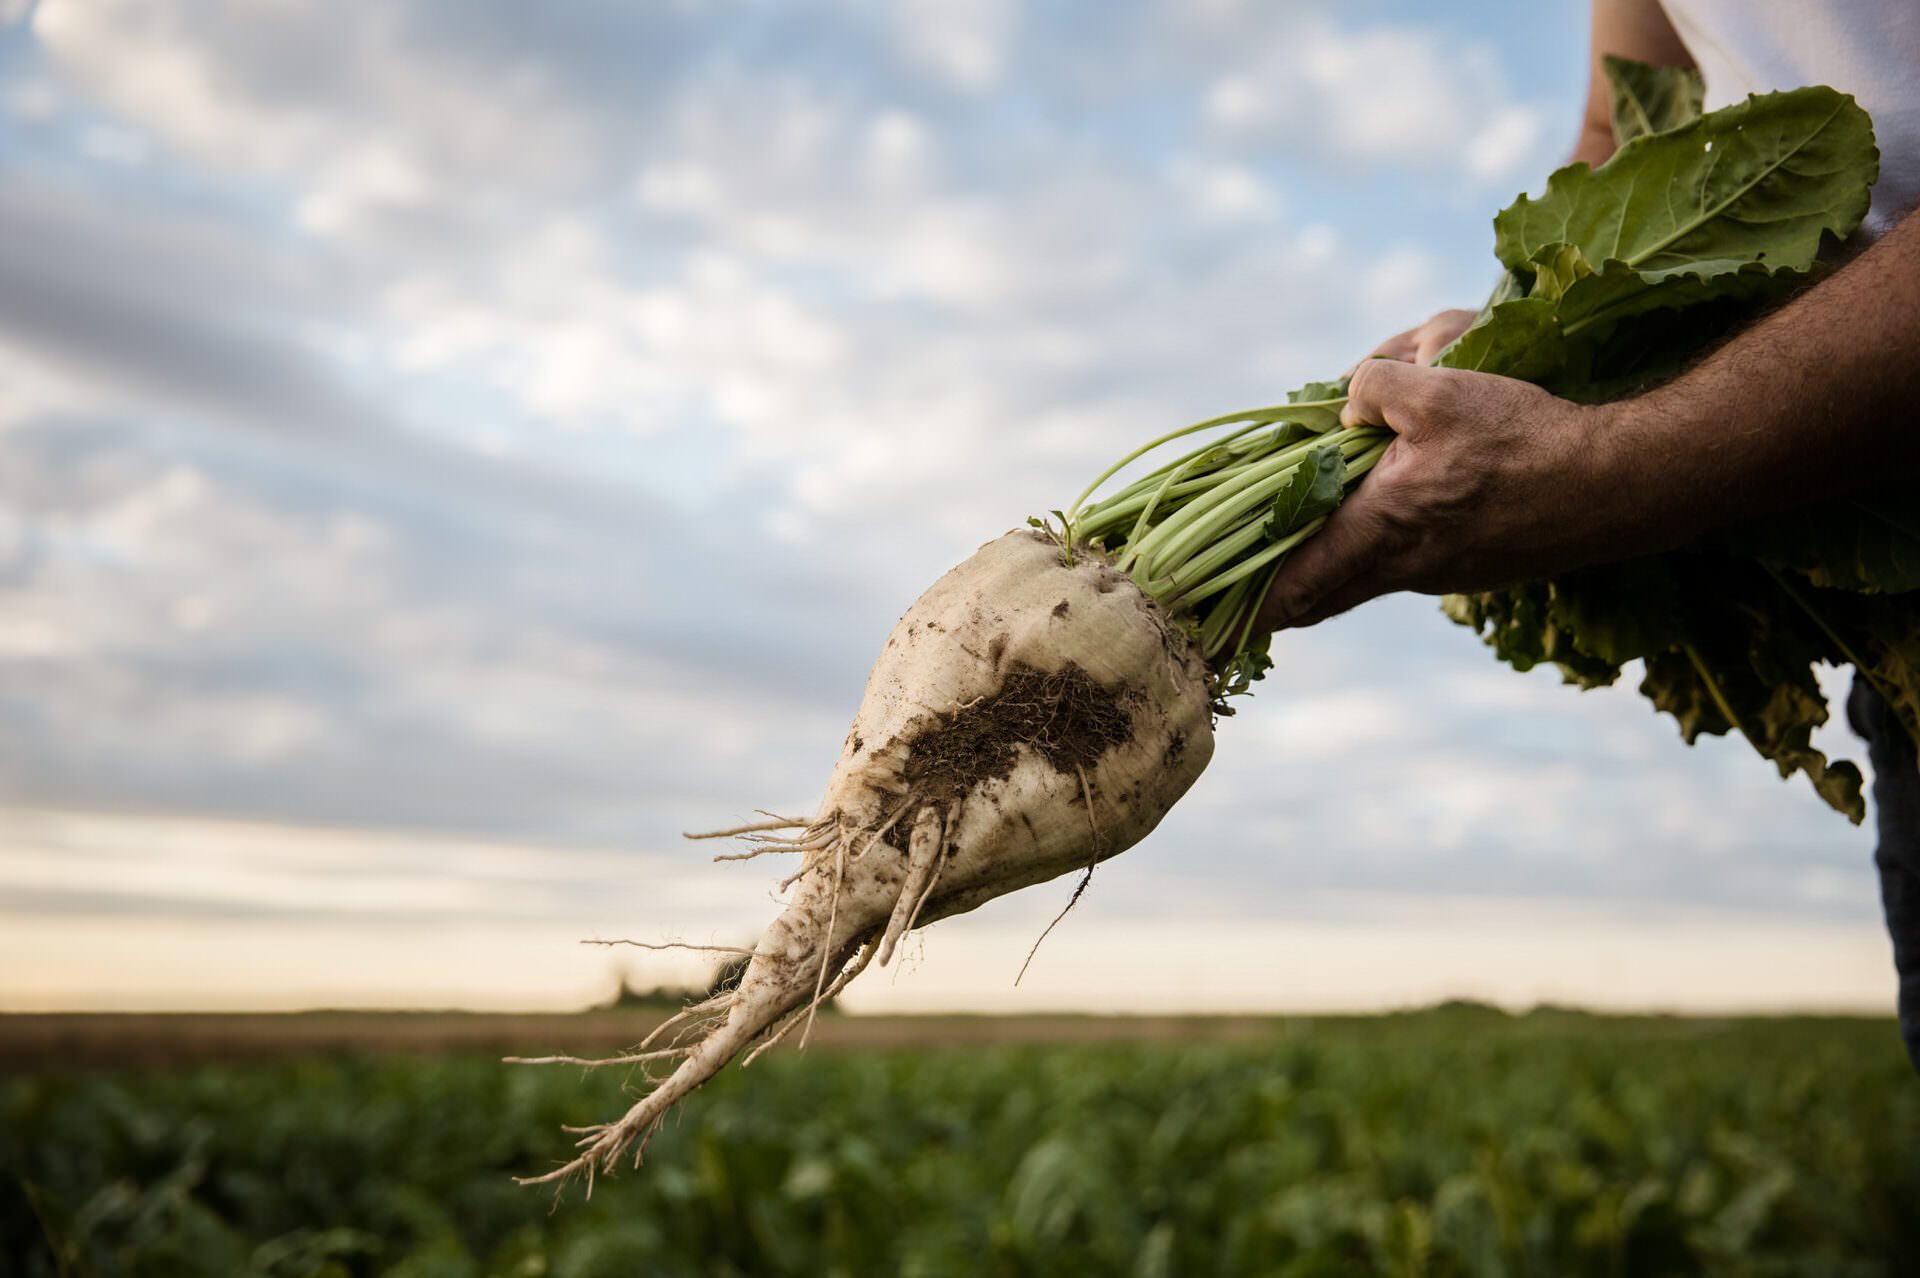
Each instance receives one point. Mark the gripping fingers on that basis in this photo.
(1377, 390)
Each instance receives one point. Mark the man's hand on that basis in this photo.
(1420, 345)
(1493, 481)
(1489, 482)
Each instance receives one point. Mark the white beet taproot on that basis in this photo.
(1028, 717)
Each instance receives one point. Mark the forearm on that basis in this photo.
(1636, 29)
(1815, 400)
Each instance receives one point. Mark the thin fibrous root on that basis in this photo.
(558, 1176)
(1086, 790)
(635, 1059)
(867, 951)
(777, 823)
(748, 856)
(812, 834)
(602, 1144)
(674, 945)
(826, 949)
(718, 1002)
(678, 1019)
(840, 844)
(593, 1135)
(814, 838)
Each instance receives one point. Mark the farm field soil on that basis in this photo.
(71, 1040)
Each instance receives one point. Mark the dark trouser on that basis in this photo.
(1896, 804)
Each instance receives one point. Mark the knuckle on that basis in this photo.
(1291, 603)
(1364, 376)
(1426, 396)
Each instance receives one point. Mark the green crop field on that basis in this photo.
(1456, 1141)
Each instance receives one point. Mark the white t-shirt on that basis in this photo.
(1869, 48)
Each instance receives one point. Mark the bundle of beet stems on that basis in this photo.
(1045, 703)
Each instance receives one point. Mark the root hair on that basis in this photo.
(673, 945)
(776, 823)
(1086, 791)
(867, 951)
(665, 1053)
(826, 942)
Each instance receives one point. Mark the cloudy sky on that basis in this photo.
(447, 450)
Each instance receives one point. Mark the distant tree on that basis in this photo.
(671, 997)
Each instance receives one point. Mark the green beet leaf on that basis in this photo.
(1764, 181)
(1869, 543)
(1612, 284)
(1313, 490)
(1649, 99)
(1590, 304)
(1315, 406)
(1314, 392)
(1517, 338)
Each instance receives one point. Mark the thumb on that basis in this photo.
(1384, 392)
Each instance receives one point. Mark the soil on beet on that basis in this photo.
(1064, 715)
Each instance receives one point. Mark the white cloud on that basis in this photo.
(1401, 281)
(964, 41)
(1506, 143)
(31, 388)
(682, 187)
(33, 97)
(397, 116)
(1371, 96)
(360, 183)
(114, 145)
(128, 54)
(899, 151)
(278, 655)
(1014, 289)
(1316, 243)
(1345, 721)
(1235, 100)
(1228, 192)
